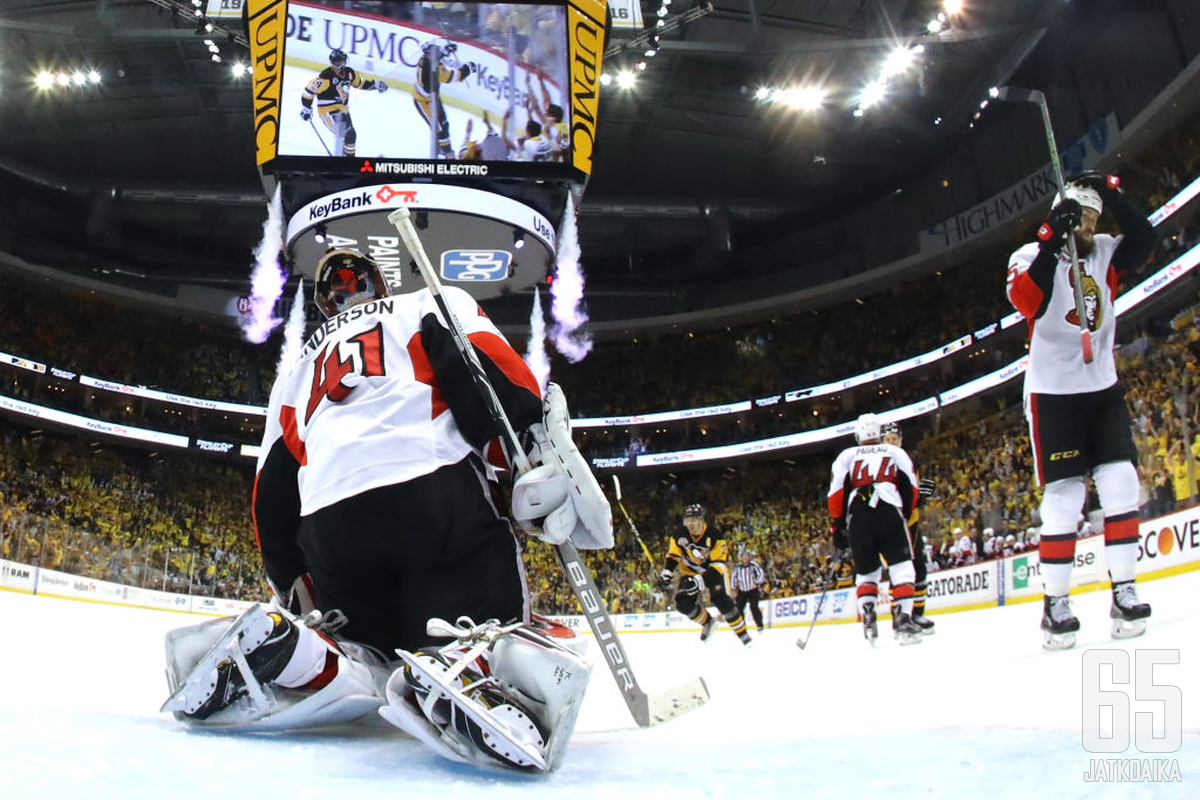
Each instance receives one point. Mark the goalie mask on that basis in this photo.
(346, 279)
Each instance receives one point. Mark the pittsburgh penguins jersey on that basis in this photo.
(872, 473)
(379, 395)
(329, 88)
(424, 83)
(695, 555)
(1055, 353)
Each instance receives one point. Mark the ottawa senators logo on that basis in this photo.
(1091, 302)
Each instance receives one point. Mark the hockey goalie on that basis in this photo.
(397, 581)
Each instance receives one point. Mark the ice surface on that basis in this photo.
(977, 710)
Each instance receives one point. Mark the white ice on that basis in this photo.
(977, 710)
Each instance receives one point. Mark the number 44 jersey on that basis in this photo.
(876, 473)
(367, 403)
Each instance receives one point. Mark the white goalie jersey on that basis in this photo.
(341, 413)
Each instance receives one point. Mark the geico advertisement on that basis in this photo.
(1170, 540)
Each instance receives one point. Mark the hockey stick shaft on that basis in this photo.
(629, 519)
(319, 136)
(820, 603)
(1033, 96)
(577, 573)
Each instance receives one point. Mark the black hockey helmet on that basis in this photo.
(889, 427)
(346, 278)
(337, 57)
(694, 510)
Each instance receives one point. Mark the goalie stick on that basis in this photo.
(1014, 95)
(629, 519)
(646, 709)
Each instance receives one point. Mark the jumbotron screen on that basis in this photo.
(416, 88)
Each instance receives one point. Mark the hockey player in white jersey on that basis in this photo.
(872, 492)
(1078, 420)
(377, 512)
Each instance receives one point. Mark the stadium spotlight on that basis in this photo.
(44, 80)
(518, 238)
(953, 6)
(93, 76)
(605, 79)
(62, 79)
(421, 220)
(79, 77)
(319, 233)
(626, 79)
(871, 94)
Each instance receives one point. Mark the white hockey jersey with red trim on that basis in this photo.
(886, 468)
(1055, 351)
(341, 413)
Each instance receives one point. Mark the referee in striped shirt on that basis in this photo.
(748, 578)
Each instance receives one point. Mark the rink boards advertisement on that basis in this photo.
(1167, 545)
(504, 65)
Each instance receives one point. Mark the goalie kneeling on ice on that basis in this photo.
(520, 716)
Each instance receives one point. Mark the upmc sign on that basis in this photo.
(1174, 539)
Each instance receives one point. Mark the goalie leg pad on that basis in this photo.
(511, 699)
(230, 685)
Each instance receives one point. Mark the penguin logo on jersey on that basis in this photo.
(1091, 302)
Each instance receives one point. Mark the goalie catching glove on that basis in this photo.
(560, 499)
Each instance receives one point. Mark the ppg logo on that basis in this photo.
(475, 265)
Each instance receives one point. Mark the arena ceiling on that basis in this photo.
(149, 176)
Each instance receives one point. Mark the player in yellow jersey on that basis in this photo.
(329, 95)
(700, 552)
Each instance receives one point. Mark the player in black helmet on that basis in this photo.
(700, 552)
(330, 93)
(893, 436)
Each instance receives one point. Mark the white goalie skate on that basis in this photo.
(1128, 613)
(220, 675)
(500, 695)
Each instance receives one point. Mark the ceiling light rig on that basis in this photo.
(646, 44)
(78, 78)
(193, 10)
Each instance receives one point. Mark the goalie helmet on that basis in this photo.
(867, 428)
(337, 57)
(345, 279)
(1086, 197)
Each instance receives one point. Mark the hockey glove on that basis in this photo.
(306, 113)
(561, 498)
(664, 580)
(1064, 218)
(380, 86)
(925, 488)
(837, 532)
(1107, 186)
(467, 69)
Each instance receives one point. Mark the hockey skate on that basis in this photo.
(500, 695)
(1059, 625)
(248, 652)
(706, 628)
(1128, 613)
(870, 628)
(924, 623)
(905, 629)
